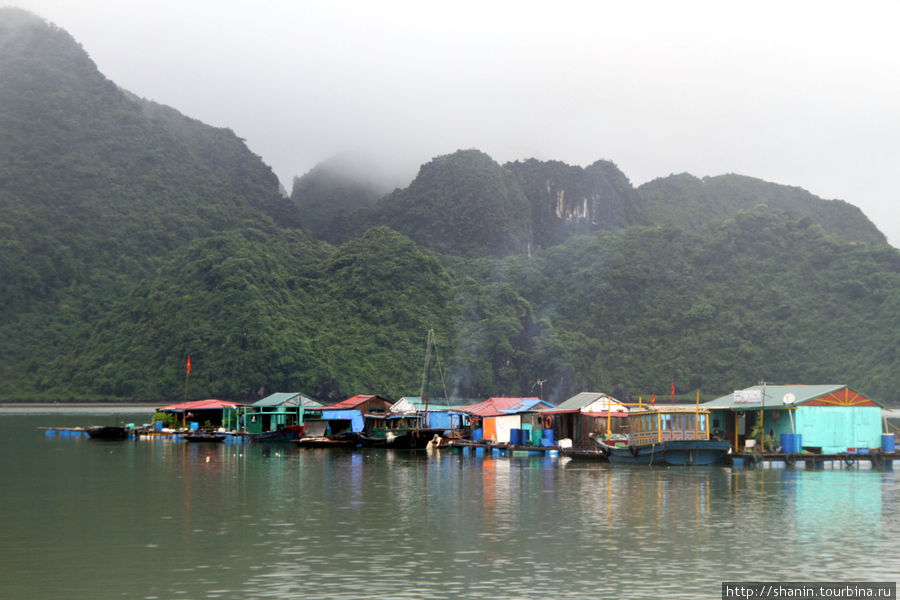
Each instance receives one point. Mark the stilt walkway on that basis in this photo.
(876, 459)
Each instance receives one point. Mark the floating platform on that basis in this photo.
(842, 460)
(499, 449)
(65, 431)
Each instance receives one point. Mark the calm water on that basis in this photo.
(162, 519)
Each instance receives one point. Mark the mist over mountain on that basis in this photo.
(466, 204)
(336, 188)
(133, 236)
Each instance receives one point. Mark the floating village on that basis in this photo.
(765, 426)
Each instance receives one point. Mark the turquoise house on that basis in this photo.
(829, 418)
(277, 410)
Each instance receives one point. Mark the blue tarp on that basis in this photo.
(524, 406)
(354, 416)
(445, 420)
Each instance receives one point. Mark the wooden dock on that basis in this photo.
(842, 460)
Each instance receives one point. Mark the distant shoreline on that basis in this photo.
(78, 404)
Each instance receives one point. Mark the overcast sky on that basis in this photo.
(804, 93)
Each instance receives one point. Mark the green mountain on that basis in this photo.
(468, 205)
(462, 203)
(334, 189)
(692, 203)
(567, 200)
(133, 236)
(96, 182)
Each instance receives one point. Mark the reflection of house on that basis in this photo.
(830, 417)
(278, 410)
(499, 416)
(583, 414)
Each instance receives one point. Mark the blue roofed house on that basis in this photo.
(829, 418)
(500, 416)
(438, 414)
(346, 416)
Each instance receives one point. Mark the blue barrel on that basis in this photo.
(548, 435)
(477, 434)
(888, 443)
(515, 437)
(791, 443)
(787, 442)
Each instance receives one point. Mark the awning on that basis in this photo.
(210, 404)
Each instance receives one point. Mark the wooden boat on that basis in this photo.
(287, 433)
(345, 439)
(598, 454)
(397, 431)
(667, 437)
(203, 436)
(107, 432)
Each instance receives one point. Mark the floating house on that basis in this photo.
(585, 414)
(209, 413)
(366, 404)
(506, 420)
(345, 417)
(827, 418)
(438, 413)
(277, 411)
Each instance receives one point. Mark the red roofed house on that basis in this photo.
(367, 405)
(501, 415)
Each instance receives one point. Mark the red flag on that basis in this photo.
(188, 366)
(673, 391)
(652, 399)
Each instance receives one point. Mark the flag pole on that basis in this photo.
(187, 378)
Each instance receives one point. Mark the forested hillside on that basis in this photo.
(133, 236)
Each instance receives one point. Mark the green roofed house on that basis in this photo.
(276, 411)
(828, 418)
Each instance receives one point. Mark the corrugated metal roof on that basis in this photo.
(525, 405)
(493, 407)
(417, 403)
(352, 402)
(585, 399)
(772, 396)
(287, 399)
(209, 404)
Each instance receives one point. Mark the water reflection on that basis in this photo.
(254, 521)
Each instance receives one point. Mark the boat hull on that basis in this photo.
(205, 437)
(408, 439)
(674, 452)
(283, 434)
(107, 432)
(346, 439)
(599, 455)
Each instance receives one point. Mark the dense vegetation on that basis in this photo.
(133, 236)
